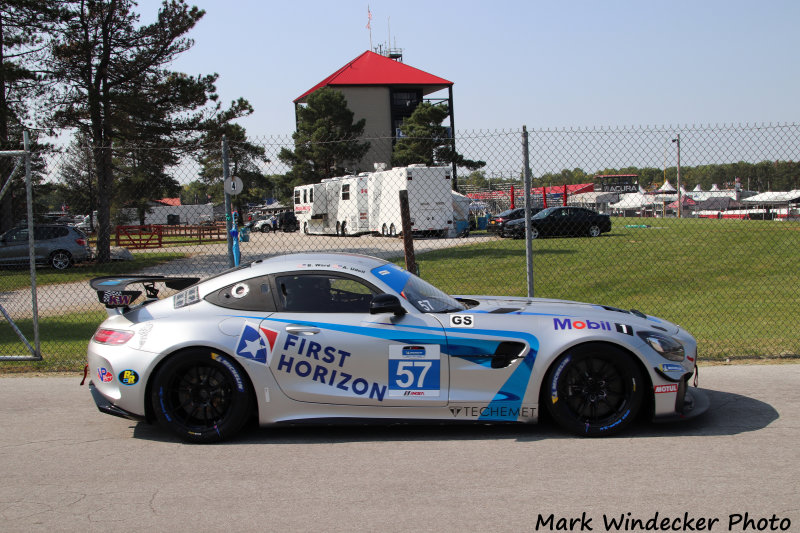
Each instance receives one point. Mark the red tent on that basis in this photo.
(685, 200)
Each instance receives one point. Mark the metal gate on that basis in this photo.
(34, 350)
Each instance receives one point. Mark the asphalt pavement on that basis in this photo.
(64, 466)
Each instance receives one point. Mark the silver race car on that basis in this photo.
(321, 337)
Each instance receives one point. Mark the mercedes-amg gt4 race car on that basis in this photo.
(328, 337)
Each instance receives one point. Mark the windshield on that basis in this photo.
(419, 293)
(544, 212)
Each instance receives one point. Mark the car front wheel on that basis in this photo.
(60, 260)
(594, 390)
(201, 396)
(534, 233)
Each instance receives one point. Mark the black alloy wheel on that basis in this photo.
(201, 396)
(594, 390)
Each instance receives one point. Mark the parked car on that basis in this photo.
(331, 337)
(265, 225)
(287, 222)
(561, 221)
(497, 223)
(57, 245)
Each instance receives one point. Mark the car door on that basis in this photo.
(14, 246)
(328, 348)
(490, 367)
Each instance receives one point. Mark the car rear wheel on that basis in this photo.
(392, 231)
(60, 260)
(534, 233)
(594, 390)
(201, 396)
(266, 228)
(594, 230)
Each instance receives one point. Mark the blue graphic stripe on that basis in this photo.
(510, 394)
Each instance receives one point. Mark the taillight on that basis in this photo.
(114, 337)
(81, 242)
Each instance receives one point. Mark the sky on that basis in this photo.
(543, 64)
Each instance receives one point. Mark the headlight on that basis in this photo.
(668, 348)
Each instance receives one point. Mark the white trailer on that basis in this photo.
(337, 206)
(429, 199)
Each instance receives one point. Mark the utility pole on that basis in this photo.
(678, 142)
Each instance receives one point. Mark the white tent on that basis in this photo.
(633, 200)
(772, 198)
(667, 187)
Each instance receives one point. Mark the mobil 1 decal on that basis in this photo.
(414, 370)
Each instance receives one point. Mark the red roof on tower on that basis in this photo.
(374, 69)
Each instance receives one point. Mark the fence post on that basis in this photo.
(527, 184)
(408, 239)
(226, 173)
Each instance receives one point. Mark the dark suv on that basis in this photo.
(54, 244)
(287, 222)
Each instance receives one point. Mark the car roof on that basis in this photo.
(335, 262)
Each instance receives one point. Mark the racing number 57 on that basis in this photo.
(407, 369)
(416, 375)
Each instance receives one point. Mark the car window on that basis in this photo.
(323, 293)
(254, 294)
(17, 235)
(418, 292)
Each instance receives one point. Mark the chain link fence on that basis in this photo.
(667, 220)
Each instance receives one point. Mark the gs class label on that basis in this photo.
(414, 371)
(462, 321)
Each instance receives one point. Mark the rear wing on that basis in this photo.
(111, 289)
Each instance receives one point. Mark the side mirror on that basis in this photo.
(386, 303)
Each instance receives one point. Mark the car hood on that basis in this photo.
(564, 309)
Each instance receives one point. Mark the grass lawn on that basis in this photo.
(733, 284)
(63, 342)
(16, 278)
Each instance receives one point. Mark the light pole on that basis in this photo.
(678, 142)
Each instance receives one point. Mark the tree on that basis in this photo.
(245, 160)
(23, 28)
(115, 87)
(424, 140)
(326, 139)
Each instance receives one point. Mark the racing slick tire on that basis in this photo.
(201, 396)
(60, 260)
(594, 230)
(594, 390)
